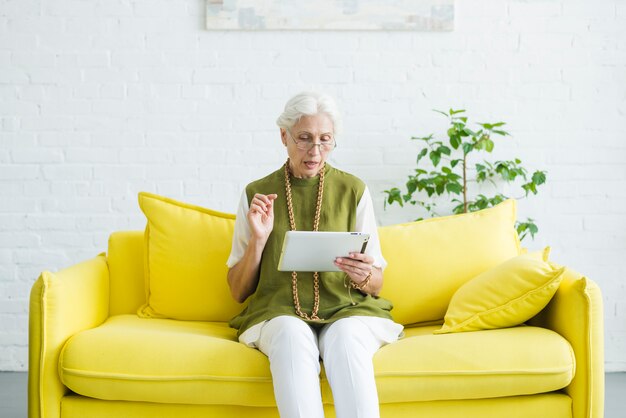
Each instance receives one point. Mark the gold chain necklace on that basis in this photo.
(292, 226)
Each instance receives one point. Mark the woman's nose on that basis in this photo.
(315, 149)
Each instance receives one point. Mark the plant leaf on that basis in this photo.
(421, 154)
(454, 188)
(435, 157)
(539, 177)
(444, 150)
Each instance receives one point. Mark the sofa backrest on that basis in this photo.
(126, 272)
(427, 261)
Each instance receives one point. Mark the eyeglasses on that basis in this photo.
(305, 142)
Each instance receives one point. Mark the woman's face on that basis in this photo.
(306, 163)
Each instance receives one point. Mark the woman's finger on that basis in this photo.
(362, 257)
(350, 266)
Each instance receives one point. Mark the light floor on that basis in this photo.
(13, 395)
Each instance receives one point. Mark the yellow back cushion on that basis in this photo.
(504, 296)
(186, 248)
(429, 260)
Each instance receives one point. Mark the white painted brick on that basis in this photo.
(140, 59)
(14, 76)
(65, 107)
(206, 123)
(170, 172)
(36, 155)
(111, 91)
(329, 41)
(166, 91)
(38, 221)
(148, 123)
(172, 107)
(69, 8)
(9, 92)
(66, 239)
(372, 41)
(201, 156)
(601, 10)
(170, 188)
(4, 156)
(18, 172)
(18, 41)
(92, 155)
(19, 240)
(89, 25)
(33, 59)
(195, 91)
(84, 60)
(117, 140)
(57, 92)
(114, 8)
(188, 59)
(219, 76)
(110, 75)
(534, 9)
(172, 41)
(5, 60)
(321, 75)
(67, 172)
(44, 123)
(117, 107)
(605, 223)
(9, 124)
(143, 155)
(15, 107)
(65, 139)
(145, 25)
(119, 41)
(118, 172)
(369, 75)
(161, 8)
(29, 93)
(481, 8)
(166, 75)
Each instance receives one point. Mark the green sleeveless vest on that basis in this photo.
(273, 296)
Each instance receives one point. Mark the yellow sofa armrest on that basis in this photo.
(61, 304)
(576, 313)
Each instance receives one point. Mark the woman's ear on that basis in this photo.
(283, 136)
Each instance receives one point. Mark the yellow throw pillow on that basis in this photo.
(186, 248)
(505, 296)
(429, 260)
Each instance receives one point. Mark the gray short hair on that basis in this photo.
(310, 103)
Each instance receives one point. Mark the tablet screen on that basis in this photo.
(317, 251)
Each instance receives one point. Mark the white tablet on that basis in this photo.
(316, 251)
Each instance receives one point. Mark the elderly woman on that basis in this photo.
(296, 318)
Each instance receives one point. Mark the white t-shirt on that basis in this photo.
(365, 222)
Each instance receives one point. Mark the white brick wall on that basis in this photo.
(100, 100)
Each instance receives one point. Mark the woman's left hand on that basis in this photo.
(358, 266)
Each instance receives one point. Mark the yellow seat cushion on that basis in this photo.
(186, 248)
(166, 361)
(429, 260)
(504, 296)
(473, 365)
(192, 362)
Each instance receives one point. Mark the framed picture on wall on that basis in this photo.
(387, 15)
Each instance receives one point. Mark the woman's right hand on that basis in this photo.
(261, 215)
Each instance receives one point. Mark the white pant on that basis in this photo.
(346, 347)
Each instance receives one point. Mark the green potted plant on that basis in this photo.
(452, 172)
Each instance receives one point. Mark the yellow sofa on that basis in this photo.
(91, 355)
